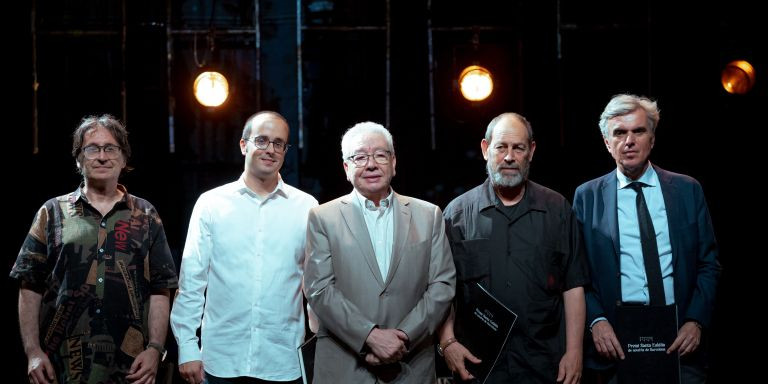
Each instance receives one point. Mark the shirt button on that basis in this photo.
(103, 224)
(101, 250)
(98, 310)
(101, 279)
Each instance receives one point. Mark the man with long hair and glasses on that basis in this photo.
(96, 273)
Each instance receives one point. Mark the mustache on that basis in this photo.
(504, 166)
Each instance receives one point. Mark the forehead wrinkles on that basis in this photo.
(509, 138)
(629, 121)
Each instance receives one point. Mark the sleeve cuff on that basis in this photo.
(189, 352)
(592, 324)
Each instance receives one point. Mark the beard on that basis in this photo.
(500, 180)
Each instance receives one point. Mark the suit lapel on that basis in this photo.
(610, 219)
(352, 216)
(402, 223)
(674, 214)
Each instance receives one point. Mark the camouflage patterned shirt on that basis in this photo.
(96, 274)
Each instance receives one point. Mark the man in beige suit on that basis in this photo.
(379, 272)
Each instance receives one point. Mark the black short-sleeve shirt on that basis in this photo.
(527, 256)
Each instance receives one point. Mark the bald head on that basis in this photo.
(259, 118)
(505, 118)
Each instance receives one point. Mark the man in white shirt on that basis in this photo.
(242, 269)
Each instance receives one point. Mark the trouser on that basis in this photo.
(689, 374)
(211, 379)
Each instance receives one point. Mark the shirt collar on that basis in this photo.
(365, 203)
(533, 198)
(79, 194)
(649, 178)
(279, 190)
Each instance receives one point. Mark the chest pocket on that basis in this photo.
(473, 259)
(543, 266)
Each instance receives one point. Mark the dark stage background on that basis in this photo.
(556, 62)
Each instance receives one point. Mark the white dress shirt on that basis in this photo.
(241, 274)
(380, 229)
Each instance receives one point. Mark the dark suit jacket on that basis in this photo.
(694, 250)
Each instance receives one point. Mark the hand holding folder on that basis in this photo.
(486, 325)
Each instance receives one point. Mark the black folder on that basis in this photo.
(307, 359)
(486, 325)
(645, 333)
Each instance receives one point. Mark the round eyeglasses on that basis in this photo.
(361, 159)
(110, 151)
(262, 143)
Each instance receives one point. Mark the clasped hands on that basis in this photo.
(386, 346)
(607, 344)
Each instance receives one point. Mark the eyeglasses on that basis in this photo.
(262, 143)
(110, 151)
(361, 159)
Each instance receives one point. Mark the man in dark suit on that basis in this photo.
(686, 249)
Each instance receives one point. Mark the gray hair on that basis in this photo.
(497, 119)
(624, 104)
(361, 129)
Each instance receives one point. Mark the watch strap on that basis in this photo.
(159, 348)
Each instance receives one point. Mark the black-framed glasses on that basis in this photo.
(361, 159)
(92, 151)
(262, 143)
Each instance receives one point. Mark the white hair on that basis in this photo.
(361, 129)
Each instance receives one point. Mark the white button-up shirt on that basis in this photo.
(380, 229)
(241, 273)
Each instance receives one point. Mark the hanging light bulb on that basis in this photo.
(475, 83)
(738, 77)
(211, 89)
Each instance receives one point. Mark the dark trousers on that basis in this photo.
(689, 374)
(211, 379)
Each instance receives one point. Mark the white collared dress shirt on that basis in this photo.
(378, 220)
(241, 274)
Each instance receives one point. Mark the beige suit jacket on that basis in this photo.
(349, 296)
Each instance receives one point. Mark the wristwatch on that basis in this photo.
(159, 348)
(442, 346)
